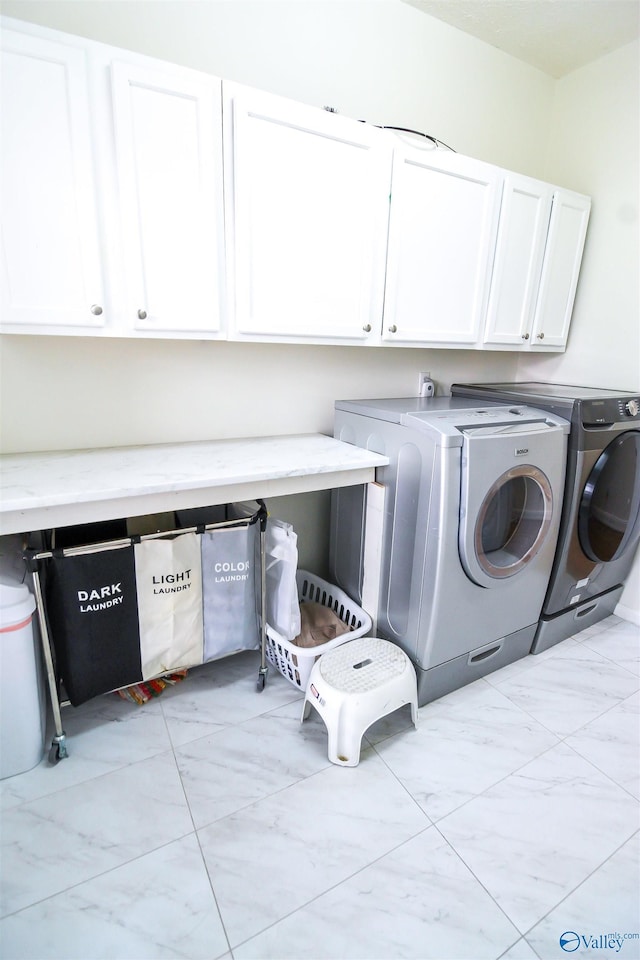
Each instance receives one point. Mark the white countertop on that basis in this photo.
(60, 488)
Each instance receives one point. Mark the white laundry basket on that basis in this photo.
(295, 663)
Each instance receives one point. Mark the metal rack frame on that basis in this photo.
(58, 750)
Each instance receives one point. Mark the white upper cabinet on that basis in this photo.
(308, 200)
(51, 256)
(539, 249)
(522, 233)
(141, 198)
(442, 234)
(168, 139)
(112, 204)
(560, 269)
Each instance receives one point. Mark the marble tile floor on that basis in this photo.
(209, 823)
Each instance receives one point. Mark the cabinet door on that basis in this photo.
(168, 135)
(560, 269)
(309, 205)
(522, 232)
(51, 260)
(442, 234)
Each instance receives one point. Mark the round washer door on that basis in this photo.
(609, 513)
(510, 526)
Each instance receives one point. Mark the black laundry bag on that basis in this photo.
(93, 617)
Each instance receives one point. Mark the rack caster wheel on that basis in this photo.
(58, 750)
(262, 680)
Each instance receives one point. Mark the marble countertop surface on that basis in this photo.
(39, 490)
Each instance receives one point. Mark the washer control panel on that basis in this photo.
(596, 413)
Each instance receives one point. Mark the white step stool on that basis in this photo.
(356, 684)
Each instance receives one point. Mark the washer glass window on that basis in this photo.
(513, 521)
(608, 520)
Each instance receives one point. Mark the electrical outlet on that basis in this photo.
(426, 386)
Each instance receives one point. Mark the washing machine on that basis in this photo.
(472, 498)
(600, 525)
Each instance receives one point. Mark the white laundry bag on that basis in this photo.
(169, 589)
(281, 565)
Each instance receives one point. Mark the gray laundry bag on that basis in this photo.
(231, 590)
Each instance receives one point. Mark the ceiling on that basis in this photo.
(556, 36)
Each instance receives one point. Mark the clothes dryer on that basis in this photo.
(600, 525)
(472, 511)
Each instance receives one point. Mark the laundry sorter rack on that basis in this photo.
(116, 612)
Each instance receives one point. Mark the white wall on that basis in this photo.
(379, 60)
(66, 392)
(383, 61)
(594, 146)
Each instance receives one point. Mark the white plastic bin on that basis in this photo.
(21, 707)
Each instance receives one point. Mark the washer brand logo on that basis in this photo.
(521, 451)
(105, 597)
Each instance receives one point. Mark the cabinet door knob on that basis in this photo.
(541, 336)
(142, 314)
(393, 328)
(96, 309)
(525, 336)
(367, 328)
